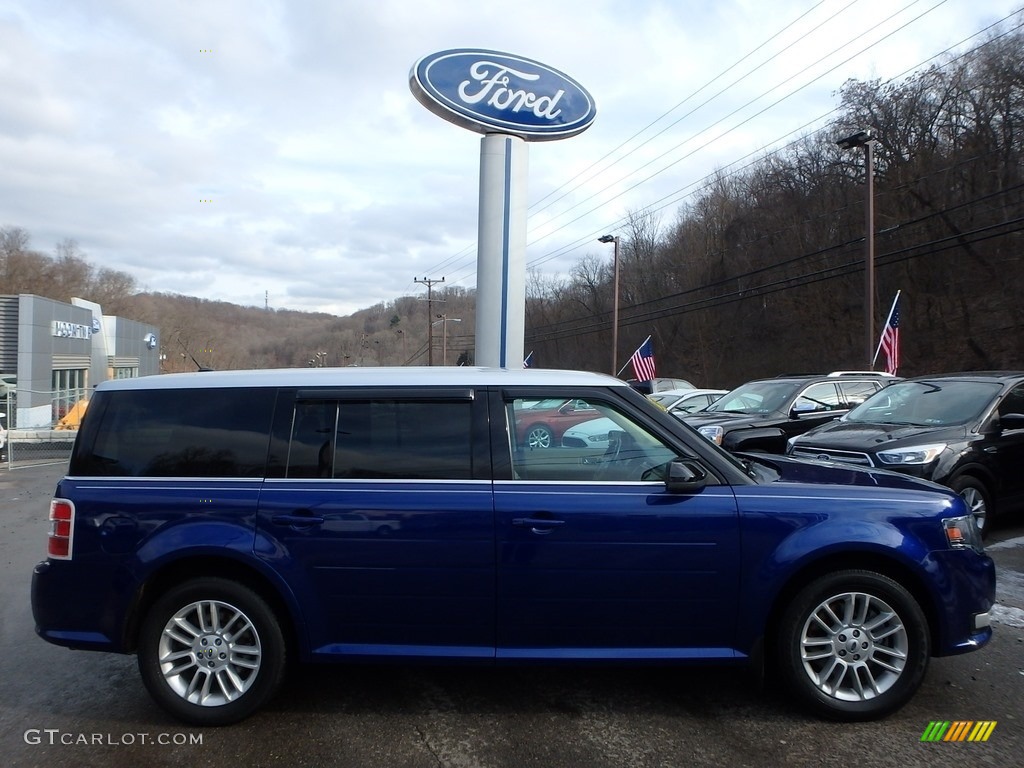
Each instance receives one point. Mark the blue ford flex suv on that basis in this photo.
(219, 525)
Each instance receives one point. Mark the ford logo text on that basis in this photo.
(492, 92)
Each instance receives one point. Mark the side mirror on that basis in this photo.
(685, 477)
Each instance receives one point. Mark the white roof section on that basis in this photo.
(408, 376)
(688, 392)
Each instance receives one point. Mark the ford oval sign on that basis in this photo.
(492, 92)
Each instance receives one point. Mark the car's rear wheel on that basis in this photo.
(974, 492)
(854, 645)
(539, 436)
(211, 651)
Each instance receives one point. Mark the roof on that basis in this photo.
(450, 376)
(1002, 376)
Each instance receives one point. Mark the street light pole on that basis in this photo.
(854, 141)
(615, 299)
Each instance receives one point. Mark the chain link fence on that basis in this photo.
(43, 433)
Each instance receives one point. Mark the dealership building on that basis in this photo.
(60, 351)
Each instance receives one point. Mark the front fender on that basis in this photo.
(775, 573)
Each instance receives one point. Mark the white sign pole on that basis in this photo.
(501, 255)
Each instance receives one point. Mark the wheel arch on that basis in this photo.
(863, 561)
(978, 472)
(200, 566)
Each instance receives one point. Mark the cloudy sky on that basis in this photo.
(242, 149)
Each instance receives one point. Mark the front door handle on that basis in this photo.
(542, 526)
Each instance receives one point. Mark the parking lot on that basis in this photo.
(66, 708)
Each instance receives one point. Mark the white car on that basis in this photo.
(682, 401)
(592, 433)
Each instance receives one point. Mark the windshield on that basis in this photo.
(756, 397)
(926, 403)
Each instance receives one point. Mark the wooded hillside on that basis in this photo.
(764, 271)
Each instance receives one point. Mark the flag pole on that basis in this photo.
(884, 327)
(634, 352)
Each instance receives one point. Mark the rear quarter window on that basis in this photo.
(175, 433)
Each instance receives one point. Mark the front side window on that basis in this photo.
(818, 397)
(1013, 402)
(605, 446)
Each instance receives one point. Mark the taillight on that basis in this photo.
(62, 528)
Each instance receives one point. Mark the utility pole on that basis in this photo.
(430, 313)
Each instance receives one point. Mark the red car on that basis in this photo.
(541, 424)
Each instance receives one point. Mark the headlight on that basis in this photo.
(714, 434)
(598, 438)
(963, 533)
(915, 454)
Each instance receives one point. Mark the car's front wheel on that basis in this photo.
(853, 645)
(211, 651)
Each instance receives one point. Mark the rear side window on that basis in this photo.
(382, 440)
(176, 433)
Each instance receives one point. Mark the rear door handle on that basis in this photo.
(297, 520)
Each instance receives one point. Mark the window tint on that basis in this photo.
(606, 445)
(397, 440)
(176, 433)
(311, 452)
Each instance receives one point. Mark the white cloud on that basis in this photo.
(332, 188)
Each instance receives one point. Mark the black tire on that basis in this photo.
(858, 648)
(539, 436)
(240, 643)
(978, 499)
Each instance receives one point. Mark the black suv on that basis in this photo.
(964, 430)
(762, 415)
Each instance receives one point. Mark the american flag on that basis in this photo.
(643, 361)
(891, 339)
